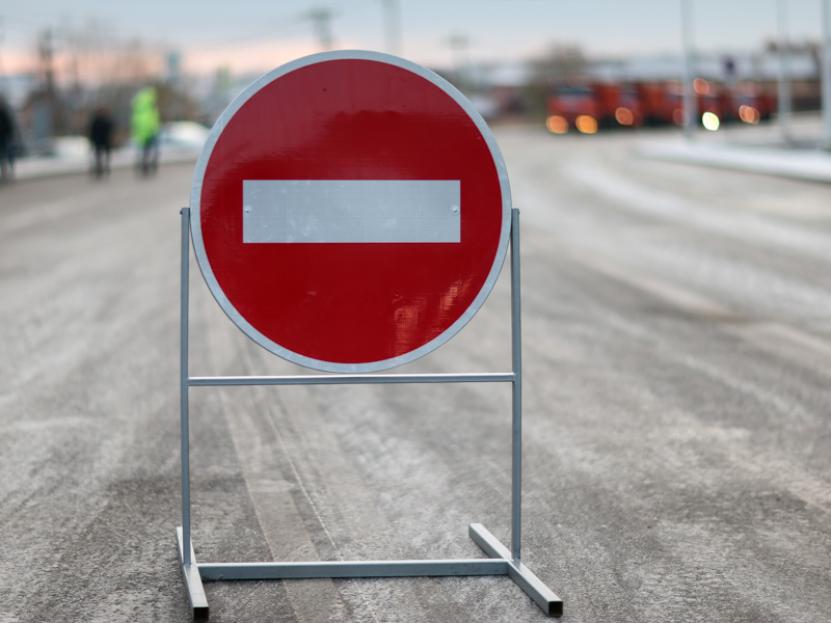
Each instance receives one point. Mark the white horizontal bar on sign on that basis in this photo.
(299, 211)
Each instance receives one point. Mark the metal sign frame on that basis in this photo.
(501, 561)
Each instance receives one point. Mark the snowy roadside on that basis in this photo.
(755, 150)
(180, 142)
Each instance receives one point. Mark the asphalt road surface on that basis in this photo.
(677, 427)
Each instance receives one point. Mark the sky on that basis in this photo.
(248, 35)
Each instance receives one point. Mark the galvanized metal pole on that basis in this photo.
(784, 85)
(689, 101)
(826, 74)
(184, 386)
(516, 393)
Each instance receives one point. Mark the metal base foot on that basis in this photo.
(519, 573)
(499, 563)
(193, 581)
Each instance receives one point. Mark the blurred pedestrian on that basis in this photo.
(146, 123)
(101, 139)
(8, 135)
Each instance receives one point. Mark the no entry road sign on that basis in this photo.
(350, 211)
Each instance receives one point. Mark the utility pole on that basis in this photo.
(825, 79)
(392, 25)
(321, 19)
(48, 117)
(46, 52)
(689, 101)
(2, 41)
(784, 86)
(459, 44)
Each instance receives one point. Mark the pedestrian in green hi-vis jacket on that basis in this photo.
(145, 124)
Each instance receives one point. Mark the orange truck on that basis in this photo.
(661, 103)
(572, 106)
(589, 107)
(752, 103)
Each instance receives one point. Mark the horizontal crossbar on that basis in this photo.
(352, 379)
(349, 569)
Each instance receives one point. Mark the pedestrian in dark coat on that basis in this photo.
(7, 144)
(101, 137)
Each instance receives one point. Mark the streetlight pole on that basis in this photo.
(321, 19)
(825, 78)
(2, 41)
(784, 86)
(392, 25)
(690, 112)
(459, 44)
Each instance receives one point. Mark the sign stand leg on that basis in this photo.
(501, 561)
(516, 392)
(190, 570)
(543, 596)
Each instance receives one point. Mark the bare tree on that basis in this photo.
(562, 62)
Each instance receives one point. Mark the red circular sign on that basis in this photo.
(350, 211)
